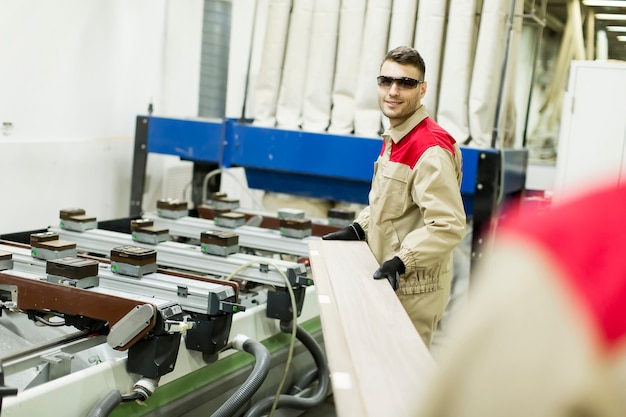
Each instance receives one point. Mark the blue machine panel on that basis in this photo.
(308, 185)
(321, 165)
(318, 164)
(344, 157)
(470, 168)
(191, 139)
(309, 164)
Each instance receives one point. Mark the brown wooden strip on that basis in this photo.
(268, 222)
(36, 295)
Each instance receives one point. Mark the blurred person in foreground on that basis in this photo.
(545, 332)
(415, 217)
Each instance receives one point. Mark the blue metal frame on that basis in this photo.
(344, 157)
(322, 165)
(319, 165)
(303, 163)
(191, 139)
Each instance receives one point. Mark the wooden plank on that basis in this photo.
(347, 397)
(378, 362)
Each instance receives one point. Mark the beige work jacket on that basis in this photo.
(415, 208)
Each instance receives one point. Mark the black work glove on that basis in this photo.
(391, 269)
(352, 232)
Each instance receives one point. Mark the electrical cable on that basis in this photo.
(49, 323)
(185, 189)
(213, 173)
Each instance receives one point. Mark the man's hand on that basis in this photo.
(352, 232)
(391, 269)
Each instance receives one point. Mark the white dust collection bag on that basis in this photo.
(487, 70)
(403, 20)
(271, 67)
(247, 34)
(401, 29)
(429, 42)
(320, 71)
(291, 93)
(367, 117)
(456, 71)
(349, 38)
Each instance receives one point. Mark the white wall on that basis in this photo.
(75, 75)
(41, 177)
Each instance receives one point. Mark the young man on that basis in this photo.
(415, 217)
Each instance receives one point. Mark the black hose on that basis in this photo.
(304, 381)
(252, 384)
(292, 401)
(106, 405)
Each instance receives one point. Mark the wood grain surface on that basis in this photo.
(378, 362)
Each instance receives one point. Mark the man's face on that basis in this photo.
(397, 101)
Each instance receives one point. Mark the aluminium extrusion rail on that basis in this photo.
(190, 294)
(189, 257)
(249, 236)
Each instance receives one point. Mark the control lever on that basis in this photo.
(129, 326)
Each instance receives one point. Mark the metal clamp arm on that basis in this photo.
(31, 294)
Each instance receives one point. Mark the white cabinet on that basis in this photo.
(592, 140)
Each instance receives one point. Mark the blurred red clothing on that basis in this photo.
(545, 330)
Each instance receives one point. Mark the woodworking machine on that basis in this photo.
(136, 312)
(145, 316)
(260, 238)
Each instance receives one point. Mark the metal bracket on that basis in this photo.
(4, 391)
(59, 364)
(182, 291)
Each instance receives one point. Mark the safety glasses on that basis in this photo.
(402, 82)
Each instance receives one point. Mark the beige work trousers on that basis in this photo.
(425, 310)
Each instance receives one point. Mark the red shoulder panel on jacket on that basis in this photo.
(423, 136)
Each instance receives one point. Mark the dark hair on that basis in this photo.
(406, 55)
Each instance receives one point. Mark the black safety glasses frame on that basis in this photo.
(402, 82)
